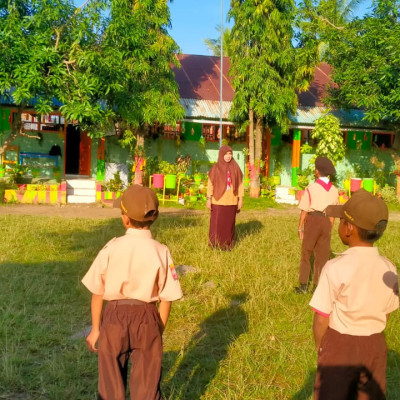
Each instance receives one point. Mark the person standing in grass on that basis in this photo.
(225, 193)
(133, 273)
(314, 226)
(353, 299)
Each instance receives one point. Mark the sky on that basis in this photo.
(195, 20)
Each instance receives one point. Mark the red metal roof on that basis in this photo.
(313, 97)
(199, 78)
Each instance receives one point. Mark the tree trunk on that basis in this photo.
(16, 128)
(254, 185)
(139, 161)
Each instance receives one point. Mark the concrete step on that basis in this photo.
(285, 195)
(80, 199)
(81, 191)
(81, 184)
(287, 201)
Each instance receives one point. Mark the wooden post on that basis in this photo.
(296, 155)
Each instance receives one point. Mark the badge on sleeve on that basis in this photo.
(173, 272)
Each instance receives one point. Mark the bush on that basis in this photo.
(388, 193)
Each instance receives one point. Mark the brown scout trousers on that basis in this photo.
(351, 367)
(130, 331)
(317, 240)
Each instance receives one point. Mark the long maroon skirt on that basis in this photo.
(222, 226)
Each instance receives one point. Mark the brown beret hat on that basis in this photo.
(363, 209)
(139, 203)
(324, 166)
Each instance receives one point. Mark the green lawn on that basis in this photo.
(239, 332)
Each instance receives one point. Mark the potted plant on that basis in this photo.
(2, 170)
(169, 171)
(57, 172)
(276, 176)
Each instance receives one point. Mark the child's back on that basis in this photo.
(356, 292)
(133, 273)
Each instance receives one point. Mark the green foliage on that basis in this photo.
(303, 180)
(116, 184)
(182, 164)
(166, 168)
(388, 194)
(107, 62)
(151, 167)
(214, 45)
(365, 57)
(267, 70)
(306, 149)
(129, 141)
(330, 138)
(17, 173)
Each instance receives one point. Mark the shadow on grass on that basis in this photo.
(247, 229)
(368, 388)
(201, 359)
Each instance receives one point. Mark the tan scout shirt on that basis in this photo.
(316, 198)
(228, 198)
(357, 290)
(134, 266)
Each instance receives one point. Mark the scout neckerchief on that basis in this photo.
(326, 185)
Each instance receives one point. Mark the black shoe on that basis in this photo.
(301, 289)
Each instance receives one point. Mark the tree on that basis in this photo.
(107, 62)
(330, 138)
(317, 18)
(214, 45)
(267, 71)
(366, 73)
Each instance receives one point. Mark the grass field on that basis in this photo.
(239, 332)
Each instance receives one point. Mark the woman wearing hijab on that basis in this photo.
(224, 198)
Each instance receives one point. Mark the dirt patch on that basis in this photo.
(99, 211)
(96, 211)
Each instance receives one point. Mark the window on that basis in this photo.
(383, 140)
(54, 122)
(211, 132)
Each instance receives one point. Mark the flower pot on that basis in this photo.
(368, 184)
(158, 181)
(355, 184)
(170, 181)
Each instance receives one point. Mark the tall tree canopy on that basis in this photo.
(365, 56)
(267, 69)
(107, 61)
(214, 45)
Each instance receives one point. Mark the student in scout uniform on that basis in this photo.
(314, 226)
(133, 273)
(353, 299)
(225, 194)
